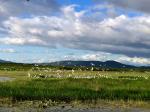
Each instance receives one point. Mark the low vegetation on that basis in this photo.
(77, 89)
(75, 85)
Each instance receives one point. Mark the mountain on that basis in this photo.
(3, 61)
(70, 63)
(106, 64)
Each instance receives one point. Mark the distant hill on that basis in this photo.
(106, 64)
(70, 63)
(3, 61)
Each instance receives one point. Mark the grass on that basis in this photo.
(117, 86)
(77, 89)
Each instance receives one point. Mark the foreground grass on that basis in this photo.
(69, 89)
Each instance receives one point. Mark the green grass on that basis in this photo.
(77, 89)
(126, 86)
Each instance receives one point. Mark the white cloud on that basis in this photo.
(119, 35)
(134, 60)
(100, 56)
(22, 41)
(137, 5)
(7, 51)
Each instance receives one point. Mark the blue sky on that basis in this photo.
(46, 31)
(83, 3)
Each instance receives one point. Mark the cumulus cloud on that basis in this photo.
(101, 56)
(119, 35)
(27, 8)
(138, 5)
(134, 60)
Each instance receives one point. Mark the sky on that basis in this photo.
(38, 31)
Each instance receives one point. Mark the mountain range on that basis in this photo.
(70, 63)
(106, 64)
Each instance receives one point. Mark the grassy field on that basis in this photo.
(77, 89)
(70, 85)
(54, 84)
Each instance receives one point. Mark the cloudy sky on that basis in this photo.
(52, 30)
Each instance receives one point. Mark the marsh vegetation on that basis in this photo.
(60, 85)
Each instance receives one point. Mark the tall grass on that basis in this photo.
(69, 89)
